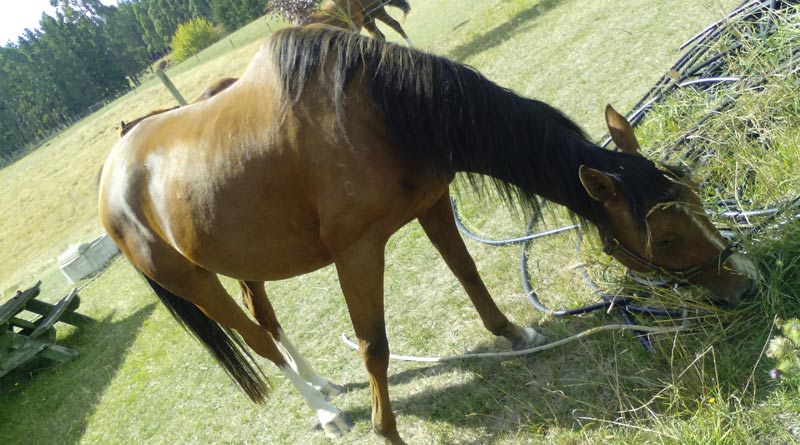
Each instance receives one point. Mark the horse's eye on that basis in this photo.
(664, 243)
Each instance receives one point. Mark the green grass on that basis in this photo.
(141, 379)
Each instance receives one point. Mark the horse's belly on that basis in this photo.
(273, 254)
(264, 236)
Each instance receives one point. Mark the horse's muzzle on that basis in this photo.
(736, 281)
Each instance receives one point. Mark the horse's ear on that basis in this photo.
(621, 131)
(599, 185)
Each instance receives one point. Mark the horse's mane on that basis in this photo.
(450, 117)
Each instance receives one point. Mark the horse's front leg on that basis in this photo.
(439, 224)
(360, 269)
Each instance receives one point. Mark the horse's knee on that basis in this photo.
(375, 349)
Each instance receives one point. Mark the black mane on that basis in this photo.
(449, 117)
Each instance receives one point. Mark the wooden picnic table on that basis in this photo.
(23, 338)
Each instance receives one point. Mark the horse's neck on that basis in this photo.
(555, 177)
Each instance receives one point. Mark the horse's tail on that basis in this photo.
(403, 5)
(226, 347)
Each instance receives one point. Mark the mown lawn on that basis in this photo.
(141, 379)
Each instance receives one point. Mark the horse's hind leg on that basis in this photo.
(439, 225)
(255, 298)
(203, 289)
(372, 28)
(384, 16)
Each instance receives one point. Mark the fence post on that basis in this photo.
(170, 86)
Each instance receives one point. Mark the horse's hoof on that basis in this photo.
(394, 440)
(336, 426)
(331, 390)
(531, 339)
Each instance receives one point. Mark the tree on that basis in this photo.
(126, 42)
(233, 14)
(200, 8)
(192, 37)
(86, 8)
(85, 54)
(87, 69)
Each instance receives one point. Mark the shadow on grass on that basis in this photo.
(46, 402)
(576, 388)
(499, 397)
(488, 40)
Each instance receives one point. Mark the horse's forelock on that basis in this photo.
(646, 184)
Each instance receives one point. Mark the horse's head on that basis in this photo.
(677, 238)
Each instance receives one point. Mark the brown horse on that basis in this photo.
(327, 145)
(357, 14)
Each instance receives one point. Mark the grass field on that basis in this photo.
(141, 379)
